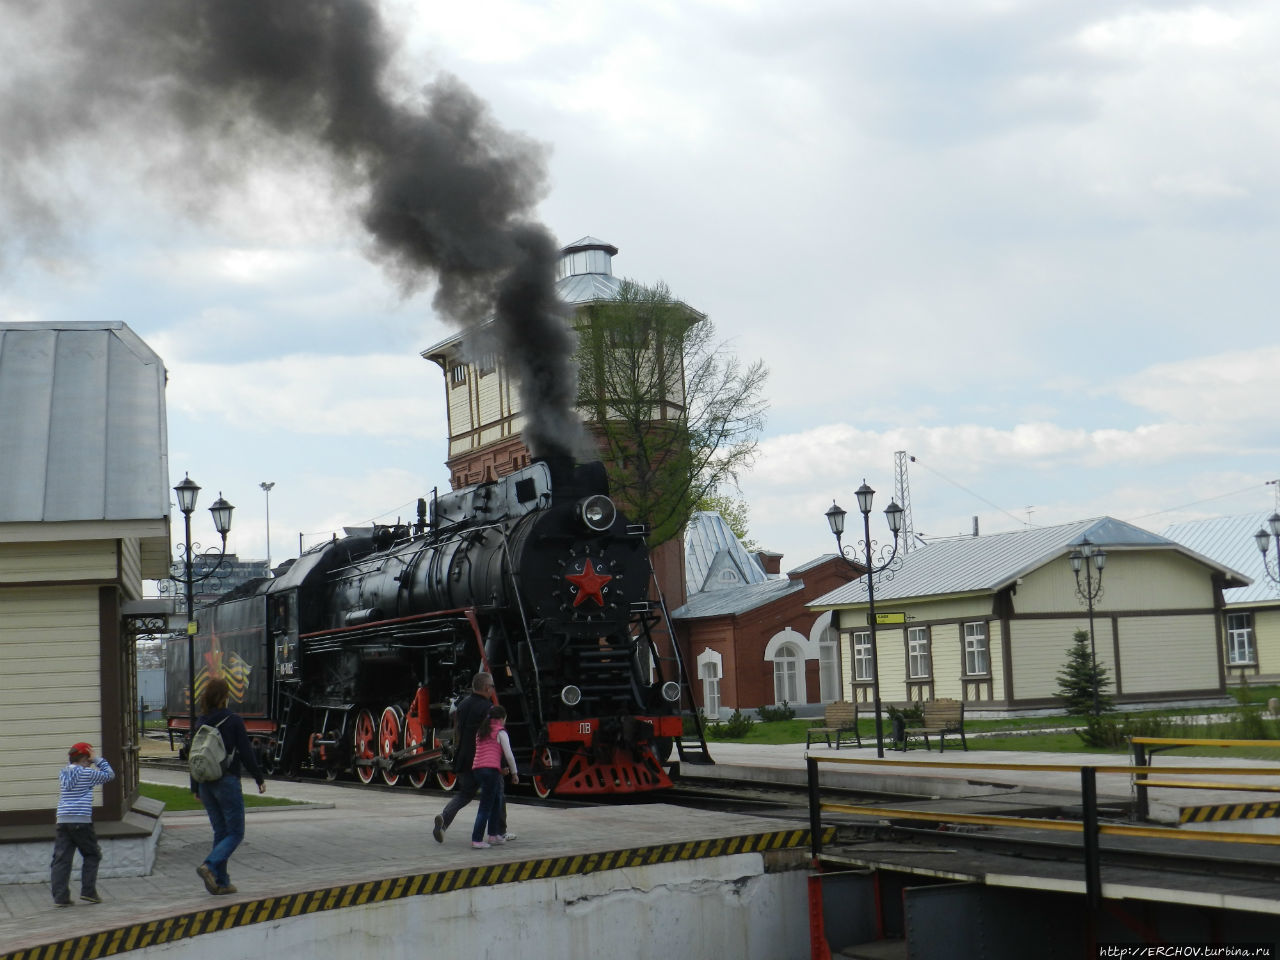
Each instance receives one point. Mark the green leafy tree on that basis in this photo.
(1077, 676)
(675, 412)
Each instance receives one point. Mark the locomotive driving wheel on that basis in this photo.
(544, 762)
(445, 779)
(364, 746)
(390, 737)
(413, 738)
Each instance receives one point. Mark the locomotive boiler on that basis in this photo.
(349, 660)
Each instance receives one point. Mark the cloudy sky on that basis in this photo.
(1025, 242)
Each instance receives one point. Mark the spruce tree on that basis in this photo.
(1076, 678)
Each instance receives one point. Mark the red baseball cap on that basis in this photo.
(81, 749)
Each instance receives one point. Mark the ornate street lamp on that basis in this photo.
(187, 492)
(835, 519)
(1263, 540)
(1080, 557)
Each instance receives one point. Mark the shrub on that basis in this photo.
(735, 728)
(1112, 732)
(782, 712)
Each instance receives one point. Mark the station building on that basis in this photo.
(84, 519)
(989, 620)
(1250, 614)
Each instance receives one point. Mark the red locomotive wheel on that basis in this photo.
(445, 779)
(543, 765)
(412, 738)
(364, 746)
(390, 737)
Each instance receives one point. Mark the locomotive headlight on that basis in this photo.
(571, 696)
(597, 512)
(671, 691)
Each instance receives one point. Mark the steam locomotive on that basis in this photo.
(349, 659)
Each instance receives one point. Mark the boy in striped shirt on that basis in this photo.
(75, 824)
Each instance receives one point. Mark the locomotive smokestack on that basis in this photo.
(443, 192)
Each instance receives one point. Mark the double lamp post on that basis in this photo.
(893, 514)
(187, 492)
(1087, 556)
(1263, 538)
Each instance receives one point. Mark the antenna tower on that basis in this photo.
(902, 493)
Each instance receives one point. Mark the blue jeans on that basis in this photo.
(224, 803)
(489, 818)
(464, 793)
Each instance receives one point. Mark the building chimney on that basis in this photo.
(770, 562)
(975, 524)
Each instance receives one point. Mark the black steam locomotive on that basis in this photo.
(351, 657)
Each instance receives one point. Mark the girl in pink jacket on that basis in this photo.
(493, 752)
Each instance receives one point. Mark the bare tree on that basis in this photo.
(675, 412)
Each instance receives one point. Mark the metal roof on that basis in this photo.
(709, 544)
(990, 563)
(586, 287)
(590, 243)
(82, 424)
(1229, 540)
(735, 600)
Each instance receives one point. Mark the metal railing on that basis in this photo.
(1088, 826)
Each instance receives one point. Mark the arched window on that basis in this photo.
(710, 673)
(788, 664)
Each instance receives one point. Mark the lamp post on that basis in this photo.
(1263, 540)
(266, 489)
(893, 514)
(187, 492)
(1080, 557)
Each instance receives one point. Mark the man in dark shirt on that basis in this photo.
(468, 716)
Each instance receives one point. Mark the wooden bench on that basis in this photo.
(839, 718)
(942, 717)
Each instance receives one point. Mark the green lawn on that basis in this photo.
(180, 798)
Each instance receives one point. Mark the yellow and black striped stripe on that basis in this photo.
(1216, 813)
(123, 939)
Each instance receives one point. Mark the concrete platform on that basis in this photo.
(353, 846)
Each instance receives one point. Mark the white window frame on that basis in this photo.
(1240, 649)
(828, 667)
(919, 657)
(860, 646)
(788, 667)
(977, 650)
(710, 675)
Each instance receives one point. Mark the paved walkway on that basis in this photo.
(347, 835)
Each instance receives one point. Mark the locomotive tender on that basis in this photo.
(350, 658)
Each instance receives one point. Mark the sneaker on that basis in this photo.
(494, 838)
(480, 844)
(225, 889)
(62, 903)
(205, 874)
(508, 836)
(90, 898)
(438, 830)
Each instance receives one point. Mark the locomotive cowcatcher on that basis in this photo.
(350, 658)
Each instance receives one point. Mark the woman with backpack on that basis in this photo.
(222, 797)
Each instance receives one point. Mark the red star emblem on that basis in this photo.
(589, 584)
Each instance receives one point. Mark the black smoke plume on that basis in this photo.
(443, 192)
